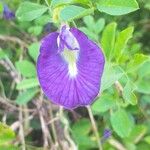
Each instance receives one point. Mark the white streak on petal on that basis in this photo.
(71, 57)
(72, 70)
(58, 41)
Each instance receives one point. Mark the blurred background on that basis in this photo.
(122, 113)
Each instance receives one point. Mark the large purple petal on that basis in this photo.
(54, 79)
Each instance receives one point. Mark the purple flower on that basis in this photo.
(70, 68)
(7, 13)
(107, 133)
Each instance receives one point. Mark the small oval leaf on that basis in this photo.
(28, 11)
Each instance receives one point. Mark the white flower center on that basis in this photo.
(71, 57)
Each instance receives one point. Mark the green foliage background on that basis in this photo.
(121, 29)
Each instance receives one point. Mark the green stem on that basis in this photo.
(46, 1)
(94, 128)
(49, 8)
(73, 22)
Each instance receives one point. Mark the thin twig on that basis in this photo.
(14, 40)
(53, 120)
(21, 130)
(44, 130)
(26, 120)
(94, 128)
(46, 134)
(10, 69)
(52, 124)
(8, 103)
(66, 130)
(116, 144)
(12, 106)
(16, 124)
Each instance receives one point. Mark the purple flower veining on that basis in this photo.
(70, 68)
(7, 13)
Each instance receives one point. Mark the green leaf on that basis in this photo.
(103, 104)
(26, 96)
(94, 27)
(147, 6)
(26, 68)
(143, 86)
(142, 146)
(128, 93)
(80, 131)
(86, 2)
(145, 100)
(136, 62)
(137, 131)
(89, 21)
(110, 76)
(108, 38)
(28, 11)
(42, 20)
(117, 7)
(147, 139)
(144, 68)
(33, 50)
(6, 134)
(99, 25)
(2, 54)
(89, 33)
(121, 123)
(84, 142)
(56, 3)
(130, 145)
(35, 30)
(122, 40)
(1, 7)
(83, 127)
(27, 83)
(72, 12)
